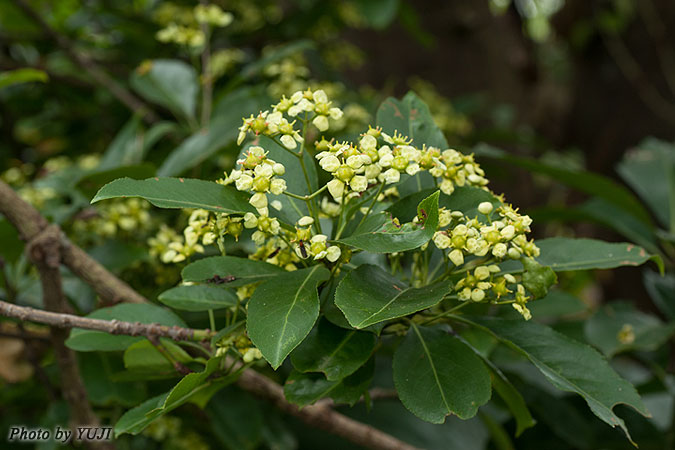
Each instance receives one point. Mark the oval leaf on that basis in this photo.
(435, 375)
(282, 311)
(569, 365)
(179, 193)
(170, 83)
(198, 298)
(369, 295)
(379, 234)
(335, 351)
(230, 271)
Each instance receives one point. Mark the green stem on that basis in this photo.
(377, 194)
(212, 320)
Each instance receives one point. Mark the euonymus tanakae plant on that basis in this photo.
(337, 252)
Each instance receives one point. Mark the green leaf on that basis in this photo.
(192, 384)
(379, 234)
(198, 298)
(235, 271)
(378, 13)
(410, 117)
(20, 76)
(369, 295)
(333, 350)
(143, 356)
(662, 291)
(170, 83)
(619, 327)
(566, 254)
(435, 375)
(136, 419)
(537, 278)
(568, 365)
(179, 193)
(650, 171)
(221, 131)
(305, 389)
(89, 340)
(97, 370)
(581, 180)
(282, 311)
(237, 419)
(279, 53)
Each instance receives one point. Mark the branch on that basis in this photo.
(66, 321)
(28, 221)
(86, 63)
(43, 251)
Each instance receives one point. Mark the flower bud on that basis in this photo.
(485, 208)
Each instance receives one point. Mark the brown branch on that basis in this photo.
(95, 72)
(66, 321)
(28, 221)
(321, 416)
(43, 251)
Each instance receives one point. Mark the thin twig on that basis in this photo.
(60, 320)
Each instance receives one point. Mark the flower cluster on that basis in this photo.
(120, 215)
(355, 167)
(314, 246)
(170, 247)
(190, 34)
(314, 104)
(486, 283)
(260, 175)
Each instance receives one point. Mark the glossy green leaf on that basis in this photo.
(89, 340)
(192, 384)
(568, 365)
(436, 375)
(170, 83)
(179, 193)
(98, 370)
(565, 254)
(127, 146)
(650, 171)
(282, 311)
(335, 351)
(91, 183)
(305, 389)
(411, 117)
(198, 298)
(619, 327)
(234, 271)
(136, 419)
(143, 356)
(581, 180)
(369, 295)
(20, 76)
(379, 234)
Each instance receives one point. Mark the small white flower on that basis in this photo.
(485, 208)
(442, 240)
(320, 238)
(276, 204)
(510, 278)
(333, 253)
(330, 163)
(447, 187)
(499, 250)
(258, 200)
(508, 232)
(244, 182)
(386, 159)
(481, 272)
(477, 295)
(336, 188)
(263, 170)
(278, 186)
(305, 221)
(359, 183)
(412, 169)
(457, 257)
(288, 141)
(321, 122)
(514, 253)
(296, 97)
(368, 142)
(372, 171)
(250, 220)
(306, 105)
(335, 113)
(278, 169)
(392, 176)
(320, 96)
(241, 137)
(355, 161)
